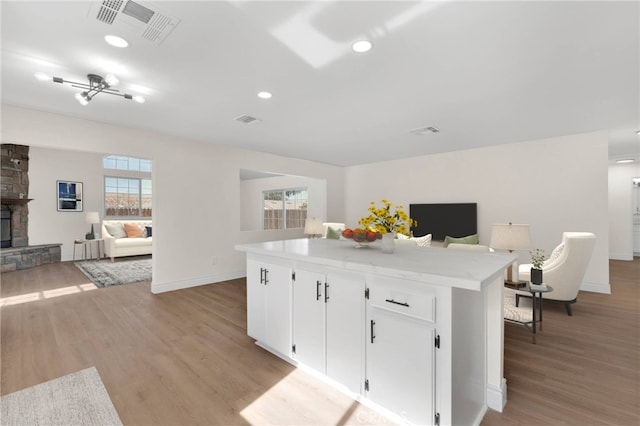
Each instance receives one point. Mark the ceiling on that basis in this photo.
(483, 73)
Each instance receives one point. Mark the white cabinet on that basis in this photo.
(328, 324)
(401, 350)
(309, 318)
(269, 303)
(345, 329)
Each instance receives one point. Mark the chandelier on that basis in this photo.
(97, 84)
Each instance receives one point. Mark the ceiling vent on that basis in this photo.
(425, 130)
(247, 119)
(134, 17)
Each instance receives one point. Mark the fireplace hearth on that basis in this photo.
(15, 252)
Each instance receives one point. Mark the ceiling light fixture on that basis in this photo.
(638, 132)
(626, 160)
(361, 46)
(97, 84)
(264, 95)
(116, 41)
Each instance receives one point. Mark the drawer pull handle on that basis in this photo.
(318, 295)
(326, 292)
(373, 334)
(397, 303)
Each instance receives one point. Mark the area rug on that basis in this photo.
(79, 398)
(106, 273)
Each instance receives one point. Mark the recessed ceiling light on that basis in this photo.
(626, 160)
(638, 132)
(116, 41)
(361, 46)
(42, 76)
(264, 95)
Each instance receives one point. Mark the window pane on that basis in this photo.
(273, 210)
(296, 208)
(145, 165)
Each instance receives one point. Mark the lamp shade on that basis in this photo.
(313, 226)
(509, 236)
(92, 217)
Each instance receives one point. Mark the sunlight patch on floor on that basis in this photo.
(268, 407)
(47, 294)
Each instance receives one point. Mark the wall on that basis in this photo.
(47, 224)
(621, 207)
(196, 225)
(554, 185)
(251, 207)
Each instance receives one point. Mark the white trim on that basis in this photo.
(620, 256)
(179, 285)
(604, 288)
(497, 398)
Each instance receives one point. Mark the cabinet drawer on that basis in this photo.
(404, 297)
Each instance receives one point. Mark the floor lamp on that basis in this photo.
(511, 237)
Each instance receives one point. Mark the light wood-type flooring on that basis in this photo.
(183, 358)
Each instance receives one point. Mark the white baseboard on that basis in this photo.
(179, 285)
(604, 288)
(621, 256)
(497, 398)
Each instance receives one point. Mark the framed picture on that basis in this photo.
(69, 196)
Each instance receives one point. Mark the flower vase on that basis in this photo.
(536, 276)
(388, 242)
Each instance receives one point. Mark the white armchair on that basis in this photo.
(564, 270)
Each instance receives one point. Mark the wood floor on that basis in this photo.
(183, 358)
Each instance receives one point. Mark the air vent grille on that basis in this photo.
(138, 11)
(109, 10)
(425, 130)
(140, 18)
(247, 119)
(157, 27)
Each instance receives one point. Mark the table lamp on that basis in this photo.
(509, 236)
(313, 227)
(91, 217)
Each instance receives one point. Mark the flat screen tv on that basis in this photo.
(439, 220)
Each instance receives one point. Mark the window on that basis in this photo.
(127, 196)
(119, 162)
(284, 208)
(127, 190)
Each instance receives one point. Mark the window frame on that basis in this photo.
(282, 191)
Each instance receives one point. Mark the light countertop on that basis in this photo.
(447, 267)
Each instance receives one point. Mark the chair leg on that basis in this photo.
(568, 308)
(517, 300)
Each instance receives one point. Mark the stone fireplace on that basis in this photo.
(15, 252)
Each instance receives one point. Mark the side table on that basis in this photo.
(87, 245)
(536, 314)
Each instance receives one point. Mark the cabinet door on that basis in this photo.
(400, 364)
(309, 319)
(278, 308)
(256, 308)
(345, 329)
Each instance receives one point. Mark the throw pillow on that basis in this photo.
(424, 241)
(555, 254)
(333, 234)
(132, 230)
(116, 230)
(149, 230)
(469, 239)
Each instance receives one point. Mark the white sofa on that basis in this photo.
(117, 243)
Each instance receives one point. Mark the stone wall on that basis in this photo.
(14, 190)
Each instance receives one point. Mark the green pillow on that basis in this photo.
(469, 239)
(333, 234)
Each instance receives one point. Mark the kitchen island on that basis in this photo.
(417, 333)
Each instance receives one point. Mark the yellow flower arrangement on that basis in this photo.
(384, 220)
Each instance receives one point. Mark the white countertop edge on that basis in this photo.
(297, 250)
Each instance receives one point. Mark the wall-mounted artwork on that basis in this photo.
(69, 196)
